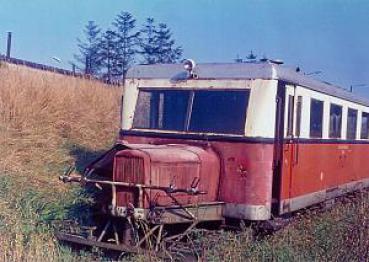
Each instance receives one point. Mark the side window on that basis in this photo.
(335, 121)
(298, 115)
(290, 116)
(316, 118)
(351, 123)
(364, 126)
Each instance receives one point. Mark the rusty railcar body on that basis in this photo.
(250, 141)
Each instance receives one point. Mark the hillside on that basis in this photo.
(47, 122)
(50, 121)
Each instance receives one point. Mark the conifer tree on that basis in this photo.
(109, 56)
(127, 41)
(167, 52)
(157, 44)
(89, 56)
(148, 48)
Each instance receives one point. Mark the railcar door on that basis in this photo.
(299, 180)
(290, 153)
(292, 123)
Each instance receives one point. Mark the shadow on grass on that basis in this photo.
(83, 156)
(84, 203)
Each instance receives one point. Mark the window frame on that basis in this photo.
(311, 134)
(201, 97)
(299, 105)
(157, 92)
(367, 125)
(190, 103)
(335, 134)
(290, 114)
(349, 109)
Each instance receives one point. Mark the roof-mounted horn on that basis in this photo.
(189, 65)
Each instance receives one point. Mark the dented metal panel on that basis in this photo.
(169, 165)
(237, 173)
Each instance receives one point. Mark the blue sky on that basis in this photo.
(331, 36)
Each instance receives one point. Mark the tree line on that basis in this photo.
(109, 54)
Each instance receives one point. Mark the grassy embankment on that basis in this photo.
(48, 122)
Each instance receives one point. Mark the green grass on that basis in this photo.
(340, 234)
(27, 220)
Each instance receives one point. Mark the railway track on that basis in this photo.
(191, 247)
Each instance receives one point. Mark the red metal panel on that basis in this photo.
(179, 175)
(246, 169)
(166, 165)
(322, 166)
(247, 176)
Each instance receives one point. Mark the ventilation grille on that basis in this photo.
(129, 169)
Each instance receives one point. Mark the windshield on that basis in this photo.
(203, 111)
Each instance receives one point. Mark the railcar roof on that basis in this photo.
(257, 70)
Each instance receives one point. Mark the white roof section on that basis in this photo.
(235, 71)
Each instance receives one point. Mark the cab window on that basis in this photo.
(219, 112)
(202, 111)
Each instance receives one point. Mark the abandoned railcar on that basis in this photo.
(247, 141)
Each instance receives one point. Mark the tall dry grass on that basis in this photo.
(47, 122)
(39, 111)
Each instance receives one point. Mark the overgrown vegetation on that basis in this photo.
(48, 122)
(337, 234)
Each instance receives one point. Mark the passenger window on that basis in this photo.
(298, 115)
(316, 118)
(364, 126)
(351, 123)
(290, 116)
(335, 121)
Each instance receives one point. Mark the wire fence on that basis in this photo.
(53, 69)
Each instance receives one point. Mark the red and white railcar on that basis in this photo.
(248, 141)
